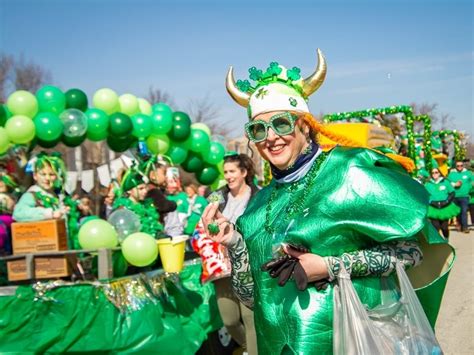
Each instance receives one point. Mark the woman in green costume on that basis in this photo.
(442, 208)
(320, 209)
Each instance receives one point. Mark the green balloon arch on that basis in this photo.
(52, 116)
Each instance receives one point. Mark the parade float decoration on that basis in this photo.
(155, 311)
(124, 122)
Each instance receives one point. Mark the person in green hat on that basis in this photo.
(155, 171)
(462, 180)
(45, 199)
(134, 190)
(441, 208)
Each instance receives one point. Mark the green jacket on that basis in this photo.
(465, 177)
(439, 190)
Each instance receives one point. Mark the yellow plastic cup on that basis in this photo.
(171, 252)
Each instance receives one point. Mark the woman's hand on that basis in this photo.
(312, 264)
(212, 215)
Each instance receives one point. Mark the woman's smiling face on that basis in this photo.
(282, 151)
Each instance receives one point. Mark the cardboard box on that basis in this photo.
(40, 236)
(45, 268)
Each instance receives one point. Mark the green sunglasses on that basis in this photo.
(282, 124)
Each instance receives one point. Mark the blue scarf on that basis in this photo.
(300, 166)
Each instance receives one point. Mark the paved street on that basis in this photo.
(455, 325)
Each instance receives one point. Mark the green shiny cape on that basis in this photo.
(359, 198)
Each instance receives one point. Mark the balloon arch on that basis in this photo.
(53, 116)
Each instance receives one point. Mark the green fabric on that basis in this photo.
(195, 214)
(181, 200)
(81, 319)
(352, 205)
(445, 213)
(466, 177)
(439, 190)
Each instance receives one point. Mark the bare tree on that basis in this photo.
(6, 64)
(157, 95)
(392, 122)
(203, 110)
(30, 76)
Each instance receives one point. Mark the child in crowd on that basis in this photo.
(43, 200)
(134, 191)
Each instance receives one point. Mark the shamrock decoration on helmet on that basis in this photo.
(276, 89)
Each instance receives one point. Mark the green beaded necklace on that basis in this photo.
(297, 201)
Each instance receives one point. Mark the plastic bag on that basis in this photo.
(397, 326)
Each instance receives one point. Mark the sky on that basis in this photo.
(379, 53)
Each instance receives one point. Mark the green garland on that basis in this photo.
(406, 110)
(46, 200)
(146, 211)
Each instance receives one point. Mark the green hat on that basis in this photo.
(132, 178)
(275, 89)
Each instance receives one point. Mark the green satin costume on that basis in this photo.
(359, 198)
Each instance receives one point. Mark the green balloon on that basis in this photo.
(51, 99)
(97, 136)
(106, 100)
(144, 106)
(203, 127)
(4, 140)
(140, 249)
(177, 153)
(48, 144)
(129, 104)
(22, 103)
(97, 120)
(120, 124)
(161, 107)
(120, 265)
(97, 234)
(207, 175)
(73, 141)
(161, 122)
(181, 126)
(215, 154)
(158, 144)
(199, 141)
(120, 144)
(193, 163)
(3, 115)
(20, 129)
(48, 126)
(141, 125)
(76, 98)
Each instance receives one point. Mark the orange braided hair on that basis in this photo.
(317, 127)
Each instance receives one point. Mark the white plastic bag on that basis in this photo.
(397, 326)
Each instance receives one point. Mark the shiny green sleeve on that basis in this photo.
(382, 201)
